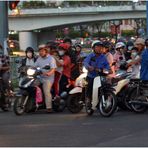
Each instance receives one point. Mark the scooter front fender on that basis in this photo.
(76, 90)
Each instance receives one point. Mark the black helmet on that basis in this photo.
(67, 39)
(29, 49)
(107, 44)
(78, 45)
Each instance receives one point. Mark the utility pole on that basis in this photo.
(4, 25)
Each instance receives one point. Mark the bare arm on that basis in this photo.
(49, 73)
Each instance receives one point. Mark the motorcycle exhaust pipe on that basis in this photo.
(138, 103)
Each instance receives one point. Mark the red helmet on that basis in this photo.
(64, 46)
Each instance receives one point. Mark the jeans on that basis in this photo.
(47, 84)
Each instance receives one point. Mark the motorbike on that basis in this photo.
(122, 88)
(76, 98)
(31, 97)
(139, 95)
(103, 95)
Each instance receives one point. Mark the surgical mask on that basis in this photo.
(61, 53)
(130, 47)
(29, 54)
(134, 54)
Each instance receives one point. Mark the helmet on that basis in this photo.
(96, 43)
(64, 46)
(140, 41)
(67, 39)
(78, 45)
(43, 46)
(29, 49)
(106, 44)
(119, 45)
(129, 45)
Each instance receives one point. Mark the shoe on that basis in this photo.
(90, 111)
(49, 110)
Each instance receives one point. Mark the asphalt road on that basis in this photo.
(66, 129)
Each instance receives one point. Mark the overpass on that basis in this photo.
(32, 19)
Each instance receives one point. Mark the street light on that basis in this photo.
(116, 24)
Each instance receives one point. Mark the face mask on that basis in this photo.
(130, 47)
(134, 54)
(29, 54)
(61, 53)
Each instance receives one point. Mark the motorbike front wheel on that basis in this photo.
(19, 105)
(108, 104)
(75, 103)
(137, 108)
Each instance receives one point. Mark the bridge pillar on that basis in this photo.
(27, 39)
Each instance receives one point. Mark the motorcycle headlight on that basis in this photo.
(30, 72)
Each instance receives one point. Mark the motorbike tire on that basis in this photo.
(59, 106)
(5, 109)
(108, 109)
(136, 108)
(18, 107)
(123, 99)
(73, 103)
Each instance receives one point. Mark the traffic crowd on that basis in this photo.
(66, 62)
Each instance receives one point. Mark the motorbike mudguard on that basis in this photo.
(120, 85)
(76, 90)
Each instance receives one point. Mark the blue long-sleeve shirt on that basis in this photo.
(144, 65)
(99, 62)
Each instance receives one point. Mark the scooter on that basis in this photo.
(76, 98)
(31, 97)
(103, 97)
(122, 88)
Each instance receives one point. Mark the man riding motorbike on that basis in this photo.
(48, 75)
(93, 63)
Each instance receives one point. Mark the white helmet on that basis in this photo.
(120, 45)
(96, 42)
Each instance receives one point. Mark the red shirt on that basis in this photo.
(67, 66)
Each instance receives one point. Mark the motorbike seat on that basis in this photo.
(134, 80)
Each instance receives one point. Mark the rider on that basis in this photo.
(93, 63)
(119, 56)
(43, 60)
(109, 56)
(30, 58)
